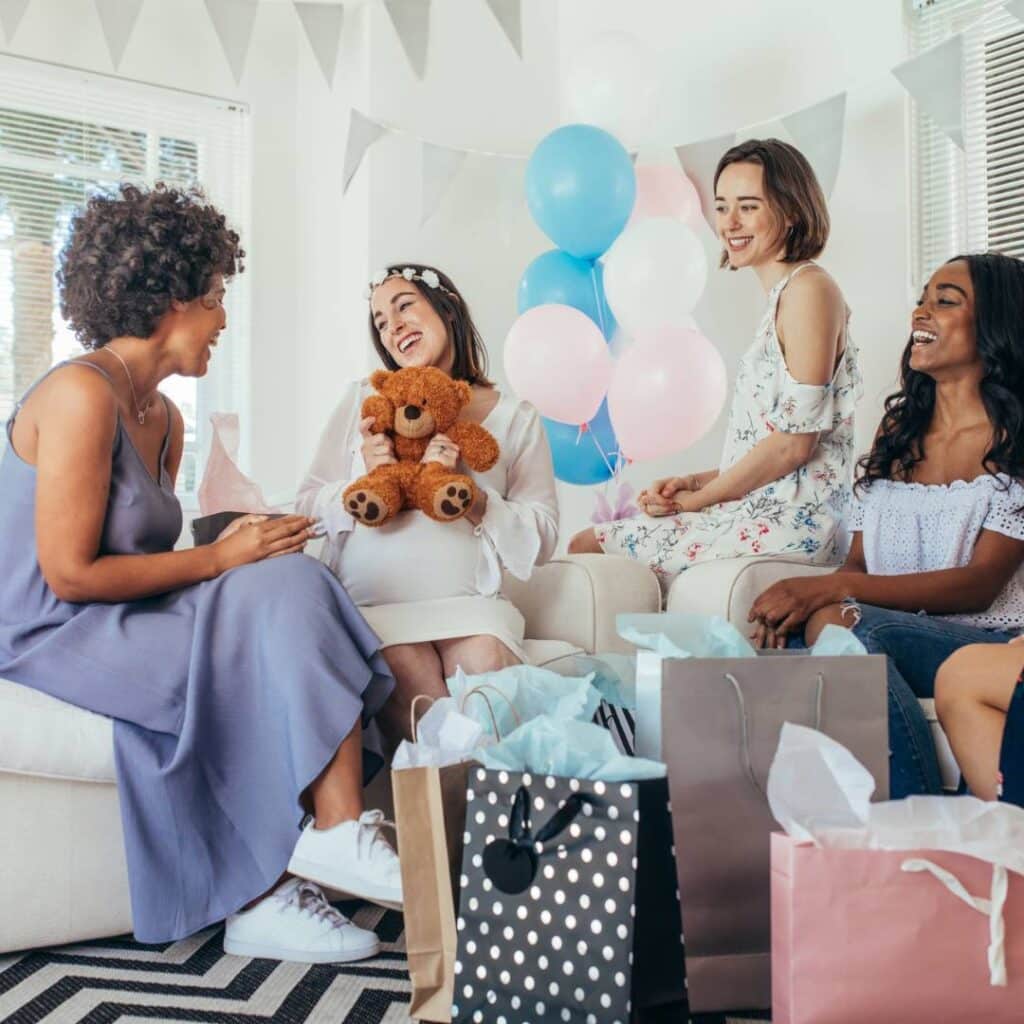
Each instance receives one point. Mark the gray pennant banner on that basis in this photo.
(118, 18)
(362, 133)
(699, 160)
(322, 23)
(935, 81)
(11, 13)
(510, 16)
(817, 132)
(440, 165)
(411, 19)
(233, 21)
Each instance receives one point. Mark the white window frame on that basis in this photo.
(220, 129)
(951, 189)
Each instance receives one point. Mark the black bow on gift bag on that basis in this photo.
(577, 921)
(511, 864)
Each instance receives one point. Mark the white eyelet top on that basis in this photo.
(911, 527)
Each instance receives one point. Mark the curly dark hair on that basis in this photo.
(470, 363)
(999, 329)
(130, 253)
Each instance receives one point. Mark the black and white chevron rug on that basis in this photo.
(119, 981)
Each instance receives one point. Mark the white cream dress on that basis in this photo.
(416, 579)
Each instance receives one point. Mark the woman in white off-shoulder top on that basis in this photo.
(431, 590)
(937, 560)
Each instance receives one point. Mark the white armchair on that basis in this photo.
(62, 867)
(729, 586)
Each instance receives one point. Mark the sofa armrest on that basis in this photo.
(727, 587)
(577, 599)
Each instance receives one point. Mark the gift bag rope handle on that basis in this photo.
(741, 706)
(519, 830)
(993, 908)
(479, 690)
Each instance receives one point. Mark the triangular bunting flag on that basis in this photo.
(11, 13)
(233, 20)
(818, 133)
(118, 18)
(1016, 8)
(440, 165)
(699, 160)
(362, 133)
(411, 19)
(935, 81)
(510, 16)
(322, 23)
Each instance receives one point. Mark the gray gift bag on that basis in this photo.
(720, 720)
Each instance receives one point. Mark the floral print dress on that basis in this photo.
(801, 514)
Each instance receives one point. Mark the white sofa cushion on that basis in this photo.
(43, 736)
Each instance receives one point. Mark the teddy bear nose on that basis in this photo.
(412, 412)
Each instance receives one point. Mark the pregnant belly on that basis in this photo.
(411, 558)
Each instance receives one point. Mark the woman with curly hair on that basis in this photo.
(237, 674)
(937, 560)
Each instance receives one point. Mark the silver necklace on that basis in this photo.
(140, 413)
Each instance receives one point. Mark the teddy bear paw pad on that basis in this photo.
(451, 501)
(366, 506)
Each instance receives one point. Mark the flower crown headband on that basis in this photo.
(427, 277)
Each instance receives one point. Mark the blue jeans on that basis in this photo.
(915, 645)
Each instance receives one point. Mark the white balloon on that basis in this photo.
(654, 274)
(613, 82)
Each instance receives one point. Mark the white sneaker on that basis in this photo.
(352, 858)
(295, 922)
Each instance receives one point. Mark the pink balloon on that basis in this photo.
(663, 191)
(666, 392)
(556, 357)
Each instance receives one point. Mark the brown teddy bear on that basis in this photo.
(413, 405)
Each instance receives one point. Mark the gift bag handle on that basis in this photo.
(519, 828)
(413, 721)
(741, 706)
(481, 691)
(993, 908)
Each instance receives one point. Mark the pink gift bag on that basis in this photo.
(902, 936)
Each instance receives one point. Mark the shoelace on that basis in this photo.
(309, 899)
(373, 822)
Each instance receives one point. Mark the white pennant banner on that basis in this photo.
(818, 134)
(510, 16)
(935, 81)
(11, 13)
(699, 161)
(118, 18)
(1016, 8)
(362, 133)
(411, 19)
(233, 21)
(322, 23)
(440, 165)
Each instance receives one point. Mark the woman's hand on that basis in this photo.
(788, 604)
(442, 449)
(766, 638)
(378, 449)
(662, 498)
(261, 538)
(236, 524)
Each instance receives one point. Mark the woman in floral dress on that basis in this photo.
(784, 482)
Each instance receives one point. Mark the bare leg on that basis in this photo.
(474, 654)
(417, 669)
(585, 543)
(830, 615)
(337, 794)
(973, 690)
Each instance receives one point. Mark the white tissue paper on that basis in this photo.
(443, 736)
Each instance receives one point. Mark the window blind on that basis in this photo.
(970, 201)
(66, 134)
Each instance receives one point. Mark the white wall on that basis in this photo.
(747, 62)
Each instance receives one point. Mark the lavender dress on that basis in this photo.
(228, 697)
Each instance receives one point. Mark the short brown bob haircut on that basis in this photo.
(792, 192)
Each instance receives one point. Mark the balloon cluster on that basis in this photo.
(628, 267)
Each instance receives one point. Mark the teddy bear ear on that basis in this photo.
(465, 392)
(379, 378)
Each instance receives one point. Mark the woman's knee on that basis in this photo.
(475, 654)
(953, 681)
(585, 543)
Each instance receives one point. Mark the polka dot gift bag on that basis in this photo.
(568, 907)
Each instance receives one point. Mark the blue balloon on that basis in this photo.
(582, 462)
(557, 277)
(580, 186)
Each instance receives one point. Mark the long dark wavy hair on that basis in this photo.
(470, 356)
(999, 331)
